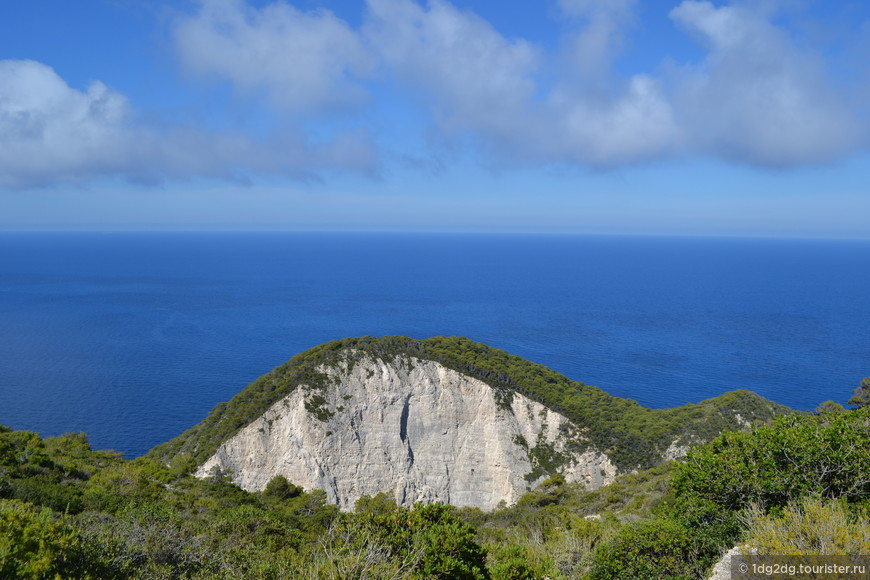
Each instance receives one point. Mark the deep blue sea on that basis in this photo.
(134, 337)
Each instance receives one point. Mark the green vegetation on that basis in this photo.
(558, 528)
(862, 394)
(799, 485)
(35, 544)
(793, 484)
(795, 456)
(67, 511)
(631, 435)
(102, 516)
(544, 459)
(811, 526)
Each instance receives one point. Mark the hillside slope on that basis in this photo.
(414, 429)
(442, 419)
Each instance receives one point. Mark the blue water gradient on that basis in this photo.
(134, 337)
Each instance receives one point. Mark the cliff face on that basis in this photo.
(441, 419)
(412, 428)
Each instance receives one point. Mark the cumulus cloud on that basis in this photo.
(304, 62)
(477, 81)
(634, 123)
(597, 117)
(471, 76)
(51, 132)
(757, 98)
(594, 45)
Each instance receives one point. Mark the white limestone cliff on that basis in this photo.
(412, 428)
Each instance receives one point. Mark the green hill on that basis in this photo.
(796, 485)
(631, 435)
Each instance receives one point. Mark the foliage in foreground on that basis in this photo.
(811, 526)
(100, 516)
(765, 487)
(798, 485)
(69, 512)
(35, 544)
(795, 456)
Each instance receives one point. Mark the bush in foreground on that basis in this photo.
(811, 527)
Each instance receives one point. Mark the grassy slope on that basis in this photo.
(633, 436)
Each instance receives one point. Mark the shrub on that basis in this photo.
(795, 456)
(428, 541)
(34, 544)
(279, 489)
(811, 527)
(511, 562)
(47, 492)
(862, 394)
(648, 550)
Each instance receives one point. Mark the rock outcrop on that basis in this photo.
(414, 429)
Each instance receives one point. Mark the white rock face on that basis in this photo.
(412, 428)
(675, 450)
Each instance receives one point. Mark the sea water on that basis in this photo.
(134, 337)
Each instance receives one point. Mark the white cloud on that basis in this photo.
(471, 76)
(594, 45)
(597, 117)
(52, 133)
(634, 125)
(757, 98)
(304, 62)
(479, 82)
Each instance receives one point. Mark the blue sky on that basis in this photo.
(559, 116)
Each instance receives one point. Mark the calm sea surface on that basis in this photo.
(133, 338)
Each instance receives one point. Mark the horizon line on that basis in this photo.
(436, 232)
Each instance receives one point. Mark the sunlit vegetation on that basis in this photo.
(799, 485)
(69, 512)
(811, 526)
(792, 484)
(72, 512)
